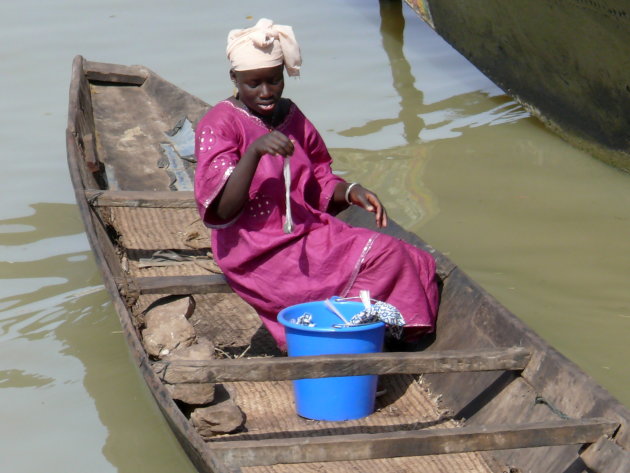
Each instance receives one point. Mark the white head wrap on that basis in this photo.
(264, 45)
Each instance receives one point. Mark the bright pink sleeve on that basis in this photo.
(217, 152)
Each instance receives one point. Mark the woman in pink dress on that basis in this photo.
(241, 145)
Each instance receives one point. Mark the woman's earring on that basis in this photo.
(235, 92)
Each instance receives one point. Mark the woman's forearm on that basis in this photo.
(235, 192)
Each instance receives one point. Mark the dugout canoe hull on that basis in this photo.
(503, 390)
(565, 61)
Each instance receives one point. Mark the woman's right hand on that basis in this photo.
(275, 143)
(235, 193)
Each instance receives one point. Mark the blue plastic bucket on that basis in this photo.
(338, 398)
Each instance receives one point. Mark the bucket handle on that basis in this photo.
(351, 298)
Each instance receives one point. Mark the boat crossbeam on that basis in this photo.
(321, 366)
(411, 443)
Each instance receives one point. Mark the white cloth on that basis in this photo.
(264, 45)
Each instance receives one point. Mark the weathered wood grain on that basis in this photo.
(146, 199)
(605, 456)
(277, 368)
(411, 443)
(176, 285)
(115, 73)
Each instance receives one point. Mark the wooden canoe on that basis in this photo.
(485, 394)
(563, 60)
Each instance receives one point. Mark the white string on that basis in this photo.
(286, 171)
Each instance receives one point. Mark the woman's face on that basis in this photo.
(260, 89)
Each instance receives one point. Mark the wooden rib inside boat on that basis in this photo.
(485, 394)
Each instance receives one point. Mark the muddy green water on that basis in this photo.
(539, 224)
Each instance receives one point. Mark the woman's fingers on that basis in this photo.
(376, 206)
(279, 144)
(381, 218)
(370, 202)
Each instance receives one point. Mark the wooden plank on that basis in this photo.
(605, 456)
(283, 368)
(101, 244)
(115, 73)
(410, 443)
(145, 199)
(206, 284)
(89, 153)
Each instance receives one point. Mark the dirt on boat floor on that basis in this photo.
(236, 330)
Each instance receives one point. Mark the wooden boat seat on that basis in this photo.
(300, 367)
(412, 443)
(145, 199)
(177, 285)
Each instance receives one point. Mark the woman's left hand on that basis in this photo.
(367, 199)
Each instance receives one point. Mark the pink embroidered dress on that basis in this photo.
(323, 256)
